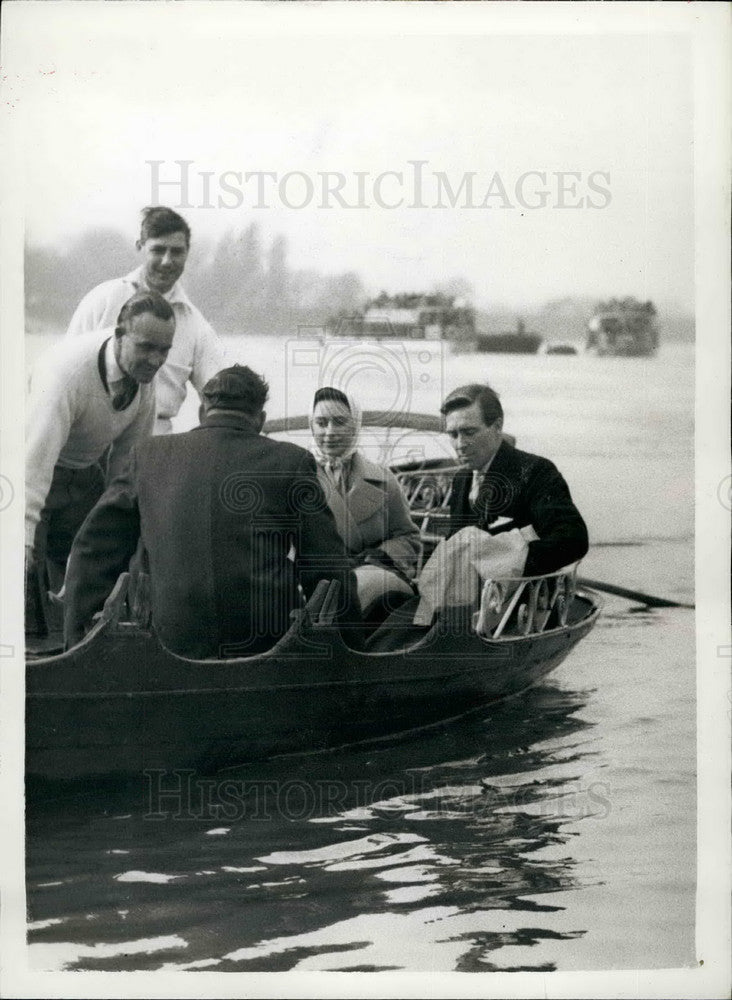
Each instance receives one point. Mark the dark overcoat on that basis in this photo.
(517, 490)
(231, 521)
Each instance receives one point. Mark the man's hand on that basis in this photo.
(31, 572)
(35, 617)
(376, 557)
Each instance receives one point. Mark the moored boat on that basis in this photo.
(513, 342)
(623, 328)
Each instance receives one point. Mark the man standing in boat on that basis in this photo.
(197, 353)
(89, 397)
(232, 522)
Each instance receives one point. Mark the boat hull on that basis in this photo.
(508, 343)
(121, 704)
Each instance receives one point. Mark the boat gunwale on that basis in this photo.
(369, 418)
(331, 634)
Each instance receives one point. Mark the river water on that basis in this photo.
(553, 832)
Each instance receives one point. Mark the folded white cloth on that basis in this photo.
(455, 572)
(375, 581)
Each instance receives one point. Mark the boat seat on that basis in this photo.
(383, 605)
(374, 584)
(398, 631)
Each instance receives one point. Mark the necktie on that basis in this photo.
(334, 472)
(123, 391)
(475, 487)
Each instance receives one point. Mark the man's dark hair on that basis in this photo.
(466, 395)
(157, 220)
(236, 388)
(143, 302)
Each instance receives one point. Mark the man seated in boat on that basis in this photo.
(232, 522)
(91, 399)
(511, 514)
(500, 488)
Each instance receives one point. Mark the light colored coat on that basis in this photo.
(374, 514)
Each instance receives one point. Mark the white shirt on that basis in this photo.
(477, 482)
(196, 355)
(71, 421)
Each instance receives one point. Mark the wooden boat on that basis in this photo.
(119, 703)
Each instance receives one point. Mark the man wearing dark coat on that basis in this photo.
(232, 522)
(500, 487)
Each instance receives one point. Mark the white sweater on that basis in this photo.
(70, 420)
(196, 355)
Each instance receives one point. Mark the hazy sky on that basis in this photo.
(102, 89)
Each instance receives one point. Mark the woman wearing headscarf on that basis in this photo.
(369, 507)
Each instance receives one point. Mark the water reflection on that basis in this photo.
(488, 861)
(328, 862)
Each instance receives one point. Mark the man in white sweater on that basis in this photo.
(88, 395)
(197, 353)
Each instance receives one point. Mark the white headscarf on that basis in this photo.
(337, 467)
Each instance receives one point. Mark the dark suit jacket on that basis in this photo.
(218, 509)
(521, 489)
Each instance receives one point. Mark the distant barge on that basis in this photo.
(623, 327)
(516, 341)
